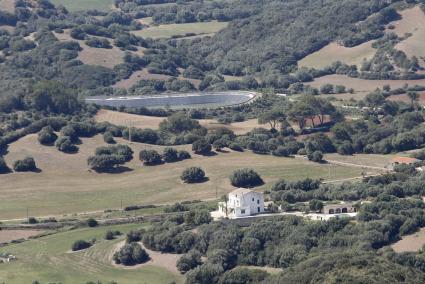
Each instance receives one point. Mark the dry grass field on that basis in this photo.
(145, 75)
(10, 235)
(65, 184)
(336, 52)
(142, 121)
(80, 5)
(167, 31)
(96, 56)
(410, 243)
(361, 85)
(7, 5)
(413, 22)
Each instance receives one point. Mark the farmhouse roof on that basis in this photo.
(241, 191)
(404, 160)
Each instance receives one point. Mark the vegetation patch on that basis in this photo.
(81, 5)
(172, 30)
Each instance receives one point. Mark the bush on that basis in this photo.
(46, 136)
(80, 245)
(25, 165)
(246, 178)
(92, 223)
(170, 155)
(131, 254)
(183, 155)
(281, 152)
(3, 166)
(134, 236)
(32, 220)
(64, 144)
(104, 163)
(201, 146)
(189, 261)
(108, 138)
(236, 147)
(316, 156)
(150, 157)
(110, 235)
(345, 149)
(193, 175)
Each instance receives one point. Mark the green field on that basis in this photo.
(79, 5)
(48, 260)
(167, 31)
(65, 185)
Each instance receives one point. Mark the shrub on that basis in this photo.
(92, 223)
(102, 163)
(134, 236)
(201, 146)
(316, 156)
(108, 138)
(110, 235)
(220, 144)
(80, 245)
(64, 144)
(46, 136)
(346, 149)
(189, 261)
(3, 166)
(25, 165)
(183, 155)
(246, 178)
(131, 254)
(236, 147)
(32, 220)
(150, 157)
(281, 152)
(193, 175)
(170, 155)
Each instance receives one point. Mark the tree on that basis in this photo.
(201, 146)
(183, 155)
(104, 163)
(80, 245)
(413, 96)
(3, 166)
(315, 205)
(170, 155)
(131, 254)
(272, 117)
(92, 223)
(150, 157)
(189, 261)
(108, 138)
(316, 156)
(219, 144)
(193, 175)
(46, 136)
(25, 165)
(64, 144)
(327, 89)
(246, 178)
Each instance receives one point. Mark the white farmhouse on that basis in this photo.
(241, 203)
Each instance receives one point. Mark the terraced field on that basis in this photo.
(48, 260)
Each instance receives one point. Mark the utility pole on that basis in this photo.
(27, 212)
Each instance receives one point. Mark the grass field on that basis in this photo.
(413, 22)
(141, 121)
(48, 260)
(167, 31)
(80, 5)
(65, 185)
(413, 242)
(7, 5)
(336, 52)
(361, 85)
(96, 56)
